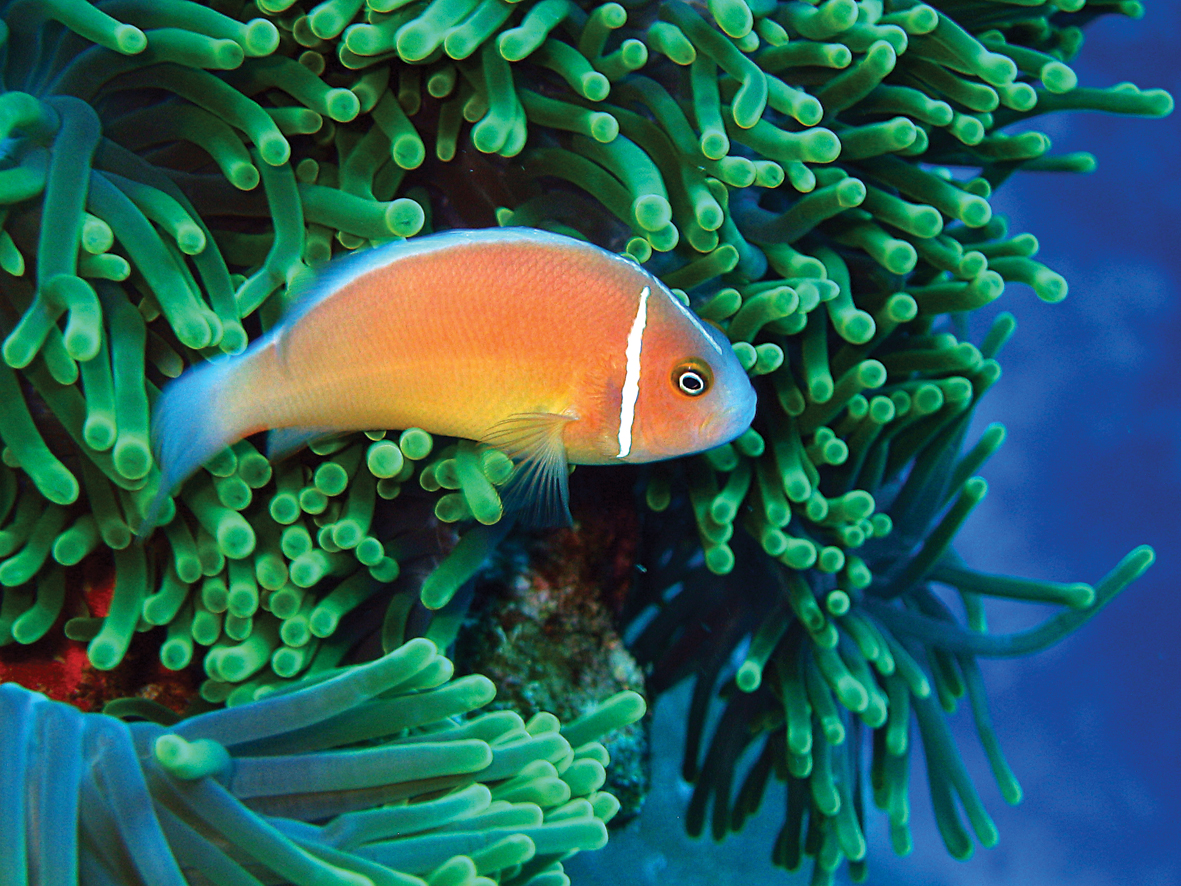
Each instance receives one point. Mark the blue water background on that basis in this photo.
(1091, 397)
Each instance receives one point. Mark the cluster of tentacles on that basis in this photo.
(812, 177)
(372, 775)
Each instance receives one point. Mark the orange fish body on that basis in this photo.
(528, 340)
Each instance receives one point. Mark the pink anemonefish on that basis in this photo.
(552, 349)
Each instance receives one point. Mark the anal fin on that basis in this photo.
(282, 442)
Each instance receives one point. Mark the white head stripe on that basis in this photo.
(631, 378)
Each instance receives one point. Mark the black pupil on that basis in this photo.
(691, 383)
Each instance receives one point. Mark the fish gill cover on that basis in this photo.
(814, 177)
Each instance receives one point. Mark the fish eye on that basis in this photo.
(692, 377)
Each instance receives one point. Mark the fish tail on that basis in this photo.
(191, 423)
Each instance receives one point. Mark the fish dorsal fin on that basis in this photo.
(313, 287)
(309, 289)
(538, 492)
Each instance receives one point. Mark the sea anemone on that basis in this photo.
(375, 774)
(812, 177)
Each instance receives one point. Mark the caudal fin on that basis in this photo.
(190, 423)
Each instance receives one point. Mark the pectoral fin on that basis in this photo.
(538, 491)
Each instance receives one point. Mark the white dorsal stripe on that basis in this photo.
(631, 378)
(695, 321)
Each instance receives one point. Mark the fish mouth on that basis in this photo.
(742, 412)
(745, 413)
(724, 426)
